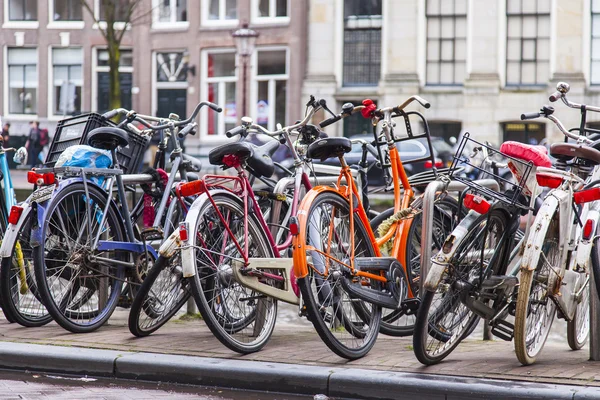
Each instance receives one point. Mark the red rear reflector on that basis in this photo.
(183, 231)
(40, 179)
(585, 196)
(549, 180)
(476, 203)
(15, 214)
(438, 164)
(191, 188)
(294, 228)
(588, 229)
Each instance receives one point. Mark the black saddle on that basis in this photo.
(108, 138)
(257, 158)
(567, 151)
(323, 149)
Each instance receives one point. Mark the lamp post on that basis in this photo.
(245, 40)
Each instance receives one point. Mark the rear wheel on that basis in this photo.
(242, 319)
(347, 325)
(443, 319)
(579, 328)
(20, 297)
(535, 308)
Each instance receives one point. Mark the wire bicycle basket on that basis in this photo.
(478, 159)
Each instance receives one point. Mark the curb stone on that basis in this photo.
(283, 378)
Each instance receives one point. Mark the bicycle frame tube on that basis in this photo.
(9, 191)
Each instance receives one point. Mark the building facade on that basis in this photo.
(480, 63)
(177, 53)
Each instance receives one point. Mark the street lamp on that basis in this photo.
(245, 40)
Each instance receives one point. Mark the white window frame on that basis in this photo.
(271, 19)
(97, 68)
(255, 78)
(102, 24)
(221, 22)
(18, 24)
(204, 82)
(52, 24)
(172, 25)
(164, 85)
(19, 117)
(51, 115)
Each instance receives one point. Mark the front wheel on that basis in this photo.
(347, 325)
(535, 308)
(579, 328)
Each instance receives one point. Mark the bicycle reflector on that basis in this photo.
(476, 203)
(294, 228)
(183, 231)
(585, 196)
(549, 180)
(588, 229)
(438, 163)
(191, 188)
(15, 214)
(40, 179)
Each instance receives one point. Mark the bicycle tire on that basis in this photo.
(361, 320)
(241, 319)
(145, 317)
(528, 286)
(396, 322)
(578, 329)
(434, 337)
(62, 222)
(21, 302)
(595, 264)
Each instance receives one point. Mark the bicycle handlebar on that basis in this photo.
(532, 115)
(187, 130)
(235, 131)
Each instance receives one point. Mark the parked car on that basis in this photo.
(409, 150)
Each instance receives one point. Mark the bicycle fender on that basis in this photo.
(170, 246)
(440, 261)
(12, 232)
(188, 259)
(584, 248)
(535, 241)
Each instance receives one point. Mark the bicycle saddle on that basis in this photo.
(323, 149)
(108, 138)
(567, 151)
(526, 153)
(257, 158)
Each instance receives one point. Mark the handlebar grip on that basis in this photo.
(423, 102)
(330, 121)
(110, 114)
(555, 96)
(235, 131)
(185, 131)
(214, 107)
(532, 115)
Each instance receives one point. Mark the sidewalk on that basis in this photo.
(309, 367)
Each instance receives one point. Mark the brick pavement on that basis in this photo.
(299, 344)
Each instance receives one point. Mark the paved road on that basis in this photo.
(44, 386)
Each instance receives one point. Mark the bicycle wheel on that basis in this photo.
(398, 322)
(579, 328)
(595, 264)
(78, 285)
(242, 319)
(348, 326)
(535, 309)
(163, 293)
(18, 289)
(443, 320)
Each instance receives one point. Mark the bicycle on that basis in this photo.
(84, 243)
(348, 264)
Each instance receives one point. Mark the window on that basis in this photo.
(67, 10)
(102, 79)
(118, 8)
(595, 67)
(356, 124)
(221, 10)
(67, 80)
(362, 42)
(220, 88)
(446, 41)
(449, 131)
(170, 11)
(270, 88)
(529, 133)
(22, 81)
(272, 8)
(171, 84)
(22, 10)
(527, 42)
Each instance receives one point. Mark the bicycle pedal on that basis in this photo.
(411, 306)
(150, 234)
(503, 330)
